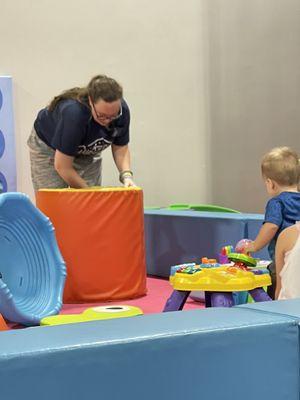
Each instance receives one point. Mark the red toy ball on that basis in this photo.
(242, 245)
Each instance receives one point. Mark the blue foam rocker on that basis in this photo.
(32, 270)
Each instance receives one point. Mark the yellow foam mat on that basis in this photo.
(221, 279)
(94, 189)
(93, 314)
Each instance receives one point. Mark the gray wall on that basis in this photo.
(254, 92)
(212, 85)
(153, 48)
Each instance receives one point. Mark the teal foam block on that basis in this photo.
(283, 307)
(214, 354)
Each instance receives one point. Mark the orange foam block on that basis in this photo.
(3, 325)
(100, 232)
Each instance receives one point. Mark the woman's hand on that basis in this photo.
(63, 165)
(128, 182)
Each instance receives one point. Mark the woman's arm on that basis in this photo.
(279, 261)
(121, 156)
(285, 242)
(63, 165)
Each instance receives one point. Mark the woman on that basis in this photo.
(288, 263)
(70, 134)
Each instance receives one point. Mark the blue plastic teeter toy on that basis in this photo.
(32, 271)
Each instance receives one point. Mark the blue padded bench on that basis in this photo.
(201, 354)
(289, 308)
(175, 237)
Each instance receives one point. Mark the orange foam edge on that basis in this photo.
(3, 325)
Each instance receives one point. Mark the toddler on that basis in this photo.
(280, 171)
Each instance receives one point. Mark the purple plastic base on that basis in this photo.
(219, 299)
(259, 295)
(176, 301)
(212, 299)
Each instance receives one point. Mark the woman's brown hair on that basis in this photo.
(99, 87)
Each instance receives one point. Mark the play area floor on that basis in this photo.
(159, 290)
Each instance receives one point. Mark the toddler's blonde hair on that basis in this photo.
(281, 164)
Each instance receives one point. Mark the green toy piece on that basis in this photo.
(242, 258)
(202, 207)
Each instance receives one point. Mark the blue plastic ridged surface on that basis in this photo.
(32, 269)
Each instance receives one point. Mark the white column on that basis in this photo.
(7, 137)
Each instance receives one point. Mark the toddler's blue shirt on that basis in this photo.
(283, 211)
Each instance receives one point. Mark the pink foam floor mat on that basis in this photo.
(158, 291)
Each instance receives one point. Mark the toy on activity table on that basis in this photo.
(223, 256)
(219, 282)
(241, 246)
(93, 314)
(209, 262)
(205, 263)
(242, 261)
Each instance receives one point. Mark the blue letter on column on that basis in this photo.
(7, 139)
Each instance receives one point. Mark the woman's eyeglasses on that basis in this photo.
(104, 117)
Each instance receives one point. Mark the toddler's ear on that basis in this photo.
(270, 183)
(275, 185)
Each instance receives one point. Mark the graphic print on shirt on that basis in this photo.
(93, 148)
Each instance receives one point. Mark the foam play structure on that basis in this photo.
(216, 353)
(195, 207)
(180, 236)
(100, 232)
(93, 314)
(32, 271)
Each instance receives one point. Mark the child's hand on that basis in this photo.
(249, 248)
(245, 246)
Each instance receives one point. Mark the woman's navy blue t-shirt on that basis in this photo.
(71, 129)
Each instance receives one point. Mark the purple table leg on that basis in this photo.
(176, 300)
(259, 294)
(221, 299)
(207, 299)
